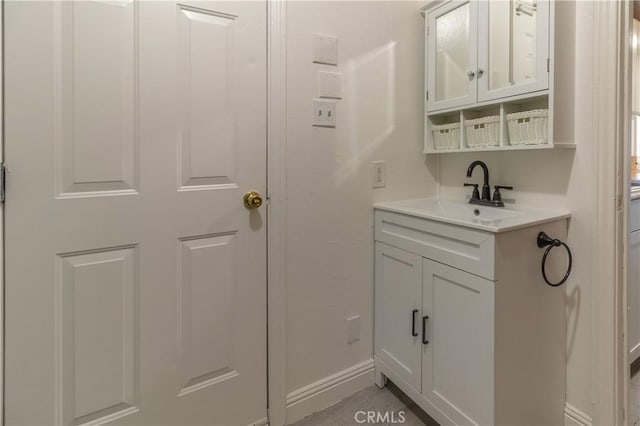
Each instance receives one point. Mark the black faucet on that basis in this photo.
(485, 199)
(485, 187)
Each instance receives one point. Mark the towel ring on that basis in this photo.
(545, 241)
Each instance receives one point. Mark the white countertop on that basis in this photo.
(460, 212)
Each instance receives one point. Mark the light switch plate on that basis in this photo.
(325, 49)
(330, 84)
(323, 113)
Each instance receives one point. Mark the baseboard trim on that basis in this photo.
(261, 422)
(328, 391)
(575, 417)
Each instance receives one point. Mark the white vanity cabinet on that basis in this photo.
(464, 323)
(484, 50)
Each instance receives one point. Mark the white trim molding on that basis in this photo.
(2, 265)
(575, 417)
(607, 327)
(276, 223)
(261, 422)
(329, 391)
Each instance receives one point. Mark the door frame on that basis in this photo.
(276, 211)
(2, 215)
(611, 105)
(276, 187)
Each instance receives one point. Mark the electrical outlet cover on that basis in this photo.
(353, 329)
(378, 174)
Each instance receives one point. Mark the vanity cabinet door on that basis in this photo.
(457, 361)
(452, 55)
(633, 295)
(398, 293)
(513, 48)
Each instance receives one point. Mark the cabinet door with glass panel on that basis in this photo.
(452, 55)
(481, 50)
(513, 48)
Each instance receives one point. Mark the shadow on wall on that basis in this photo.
(542, 172)
(573, 305)
(371, 104)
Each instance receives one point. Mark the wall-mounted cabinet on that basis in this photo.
(489, 75)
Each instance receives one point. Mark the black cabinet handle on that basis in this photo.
(414, 333)
(424, 330)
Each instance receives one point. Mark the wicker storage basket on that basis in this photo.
(446, 136)
(483, 131)
(528, 127)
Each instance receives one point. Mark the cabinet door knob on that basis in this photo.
(480, 72)
(414, 333)
(471, 74)
(424, 330)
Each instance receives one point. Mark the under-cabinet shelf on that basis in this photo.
(461, 127)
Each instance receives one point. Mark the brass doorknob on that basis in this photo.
(252, 200)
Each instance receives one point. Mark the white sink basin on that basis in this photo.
(459, 212)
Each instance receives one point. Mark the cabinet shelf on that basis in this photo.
(502, 138)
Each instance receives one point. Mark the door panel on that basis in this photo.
(458, 361)
(398, 297)
(96, 143)
(207, 282)
(97, 323)
(513, 48)
(452, 55)
(207, 72)
(633, 292)
(135, 277)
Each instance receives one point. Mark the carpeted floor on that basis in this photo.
(388, 406)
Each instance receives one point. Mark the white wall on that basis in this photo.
(329, 221)
(329, 274)
(556, 178)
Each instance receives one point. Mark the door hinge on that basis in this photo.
(427, 30)
(548, 65)
(427, 96)
(3, 179)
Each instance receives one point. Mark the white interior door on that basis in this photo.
(135, 277)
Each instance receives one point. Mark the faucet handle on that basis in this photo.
(496, 194)
(476, 194)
